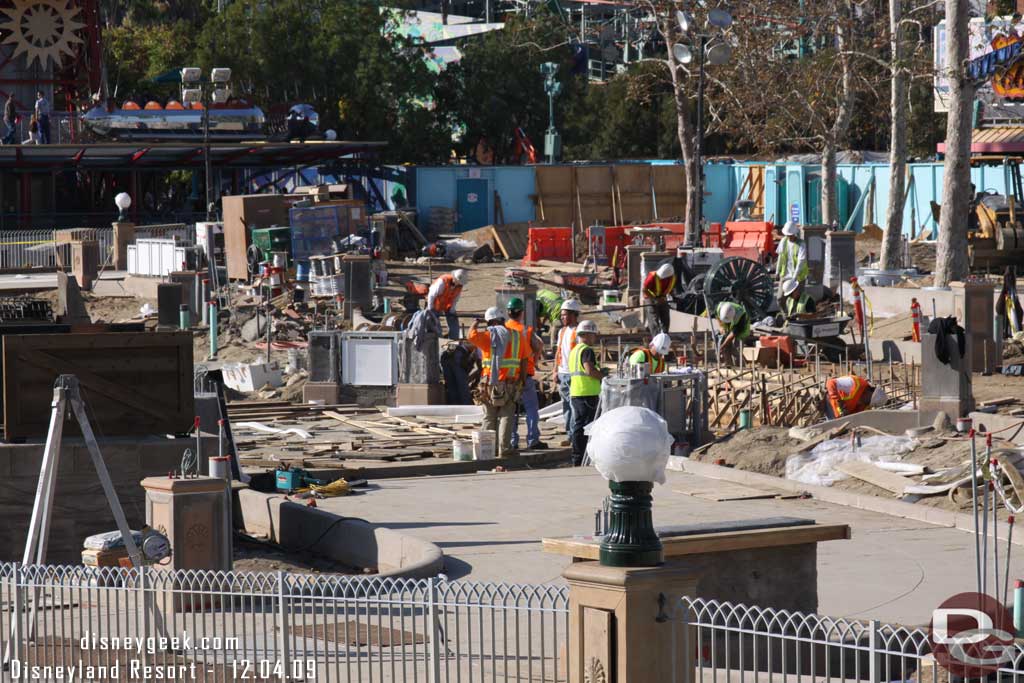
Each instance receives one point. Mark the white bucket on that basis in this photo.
(610, 296)
(484, 443)
(462, 450)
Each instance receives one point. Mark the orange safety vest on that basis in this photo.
(449, 293)
(511, 362)
(657, 365)
(527, 333)
(846, 403)
(656, 287)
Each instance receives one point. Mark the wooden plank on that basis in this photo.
(718, 491)
(133, 383)
(866, 471)
(698, 544)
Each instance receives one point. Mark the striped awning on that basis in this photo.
(1001, 140)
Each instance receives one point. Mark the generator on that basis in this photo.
(266, 241)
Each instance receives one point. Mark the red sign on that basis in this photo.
(972, 635)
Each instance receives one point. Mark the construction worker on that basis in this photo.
(792, 256)
(501, 377)
(794, 300)
(584, 387)
(570, 318)
(534, 350)
(735, 325)
(652, 358)
(549, 307)
(657, 286)
(851, 394)
(443, 297)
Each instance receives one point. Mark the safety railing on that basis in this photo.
(226, 626)
(36, 248)
(743, 643)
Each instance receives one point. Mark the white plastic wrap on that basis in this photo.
(820, 465)
(630, 444)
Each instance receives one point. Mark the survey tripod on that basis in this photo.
(66, 391)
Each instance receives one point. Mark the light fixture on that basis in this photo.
(720, 18)
(220, 96)
(123, 201)
(220, 75)
(719, 54)
(330, 135)
(682, 53)
(685, 20)
(191, 74)
(190, 95)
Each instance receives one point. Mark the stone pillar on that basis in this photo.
(945, 387)
(195, 515)
(974, 307)
(622, 621)
(634, 280)
(814, 238)
(124, 234)
(85, 262)
(840, 258)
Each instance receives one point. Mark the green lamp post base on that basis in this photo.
(631, 540)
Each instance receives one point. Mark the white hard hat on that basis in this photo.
(661, 344)
(790, 229)
(460, 276)
(587, 327)
(726, 312)
(789, 285)
(878, 397)
(666, 270)
(572, 305)
(493, 313)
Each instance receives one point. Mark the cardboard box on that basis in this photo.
(241, 214)
(420, 395)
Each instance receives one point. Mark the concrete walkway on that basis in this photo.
(490, 526)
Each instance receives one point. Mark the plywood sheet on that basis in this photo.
(865, 471)
(633, 192)
(670, 192)
(133, 383)
(556, 202)
(594, 196)
(756, 192)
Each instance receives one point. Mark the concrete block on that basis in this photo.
(246, 377)
(328, 392)
(195, 514)
(420, 395)
(840, 258)
(945, 387)
(168, 303)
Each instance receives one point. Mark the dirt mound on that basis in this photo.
(762, 450)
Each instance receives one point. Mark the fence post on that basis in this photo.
(143, 603)
(435, 632)
(282, 624)
(13, 649)
(873, 651)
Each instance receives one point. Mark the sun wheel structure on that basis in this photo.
(53, 46)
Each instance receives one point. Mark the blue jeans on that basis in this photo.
(453, 325)
(564, 380)
(44, 129)
(531, 406)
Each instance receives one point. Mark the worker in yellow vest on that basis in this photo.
(570, 318)
(795, 301)
(652, 358)
(792, 256)
(851, 394)
(504, 354)
(734, 323)
(584, 387)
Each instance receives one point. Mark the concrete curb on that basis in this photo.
(894, 508)
(445, 466)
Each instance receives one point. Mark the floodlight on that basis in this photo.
(685, 20)
(220, 96)
(549, 68)
(220, 75)
(682, 53)
(191, 74)
(720, 18)
(719, 54)
(190, 95)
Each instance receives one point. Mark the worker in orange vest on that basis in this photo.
(443, 296)
(851, 394)
(505, 356)
(531, 402)
(657, 286)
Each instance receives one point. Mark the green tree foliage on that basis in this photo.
(136, 53)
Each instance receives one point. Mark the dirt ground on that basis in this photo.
(251, 556)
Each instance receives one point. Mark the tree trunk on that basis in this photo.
(837, 134)
(892, 243)
(687, 134)
(829, 212)
(951, 250)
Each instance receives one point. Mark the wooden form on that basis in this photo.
(509, 240)
(134, 383)
(698, 544)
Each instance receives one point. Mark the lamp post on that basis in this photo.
(123, 201)
(214, 91)
(630, 447)
(719, 53)
(552, 140)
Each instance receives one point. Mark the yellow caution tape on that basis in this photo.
(871, 311)
(39, 242)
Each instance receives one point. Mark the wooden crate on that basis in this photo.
(133, 383)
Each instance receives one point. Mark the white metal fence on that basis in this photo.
(733, 643)
(36, 248)
(237, 625)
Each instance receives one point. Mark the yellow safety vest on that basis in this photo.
(790, 263)
(580, 383)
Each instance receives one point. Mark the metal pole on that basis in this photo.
(1009, 548)
(213, 329)
(694, 233)
(974, 508)
(269, 292)
(206, 153)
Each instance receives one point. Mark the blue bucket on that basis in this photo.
(302, 271)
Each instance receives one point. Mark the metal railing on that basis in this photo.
(254, 626)
(732, 642)
(36, 248)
